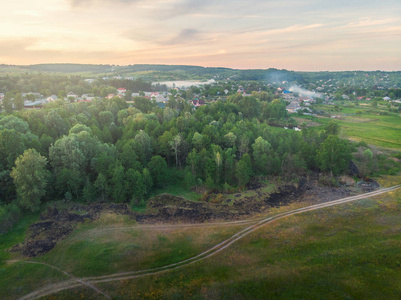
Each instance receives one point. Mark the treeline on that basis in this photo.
(60, 85)
(107, 151)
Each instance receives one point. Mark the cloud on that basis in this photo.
(186, 35)
(22, 51)
(16, 46)
(163, 38)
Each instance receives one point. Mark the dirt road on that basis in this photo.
(255, 225)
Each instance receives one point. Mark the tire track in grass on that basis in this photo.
(73, 278)
(57, 287)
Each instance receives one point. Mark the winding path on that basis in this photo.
(89, 281)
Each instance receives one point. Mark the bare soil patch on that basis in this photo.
(55, 225)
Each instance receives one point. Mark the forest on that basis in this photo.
(107, 151)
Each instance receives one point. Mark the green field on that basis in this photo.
(362, 123)
(349, 251)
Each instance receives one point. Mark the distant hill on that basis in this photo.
(70, 68)
(158, 73)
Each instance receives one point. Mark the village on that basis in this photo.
(298, 98)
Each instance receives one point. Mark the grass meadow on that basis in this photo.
(374, 126)
(350, 251)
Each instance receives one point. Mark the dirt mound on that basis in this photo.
(170, 208)
(369, 185)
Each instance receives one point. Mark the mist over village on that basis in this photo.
(187, 149)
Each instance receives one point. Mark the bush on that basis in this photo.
(327, 181)
(218, 198)
(9, 215)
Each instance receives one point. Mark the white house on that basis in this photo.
(52, 98)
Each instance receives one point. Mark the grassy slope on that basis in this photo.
(345, 252)
(348, 251)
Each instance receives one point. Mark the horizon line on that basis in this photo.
(200, 66)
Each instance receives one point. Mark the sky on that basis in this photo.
(300, 35)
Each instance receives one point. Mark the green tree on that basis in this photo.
(197, 141)
(135, 185)
(55, 124)
(69, 180)
(101, 186)
(11, 146)
(117, 183)
(250, 107)
(143, 147)
(106, 118)
(175, 146)
(230, 139)
(147, 180)
(7, 103)
(30, 178)
(158, 169)
(244, 170)
(76, 151)
(12, 122)
(332, 128)
(261, 148)
(77, 128)
(18, 101)
(334, 155)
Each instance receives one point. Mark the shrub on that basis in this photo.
(327, 181)
(9, 215)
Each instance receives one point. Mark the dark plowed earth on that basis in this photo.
(56, 225)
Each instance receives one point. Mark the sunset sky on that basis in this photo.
(296, 35)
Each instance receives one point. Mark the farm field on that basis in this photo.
(361, 123)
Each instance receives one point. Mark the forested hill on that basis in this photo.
(70, 68)
(154, 72)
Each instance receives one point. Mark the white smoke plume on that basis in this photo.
(303, 92)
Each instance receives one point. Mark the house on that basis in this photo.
(52, 98)
(160, 98)
(293, 107)
(72, 95)
(89, 97)
(89, 80)
(121, 91)
(197, 103)
(34, 104)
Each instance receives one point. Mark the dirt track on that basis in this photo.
(256, 224)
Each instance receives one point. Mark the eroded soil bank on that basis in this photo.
(55, 225)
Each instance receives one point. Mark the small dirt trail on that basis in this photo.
(57, 287)
(73, 278)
